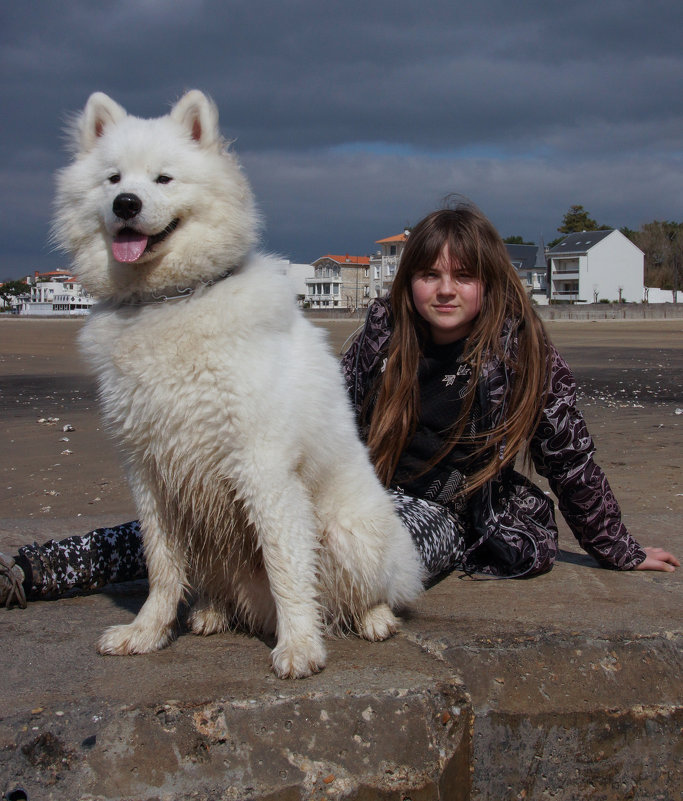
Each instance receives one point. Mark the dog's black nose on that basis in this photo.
(126, 206)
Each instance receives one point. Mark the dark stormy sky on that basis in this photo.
(354, 119)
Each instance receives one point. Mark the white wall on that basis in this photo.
(655, 295)
(297, 274)
(612, 263)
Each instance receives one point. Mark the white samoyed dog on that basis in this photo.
(253, 490)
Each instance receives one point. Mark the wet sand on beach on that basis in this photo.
(630, 377)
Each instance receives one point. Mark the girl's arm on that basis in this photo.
(562, 451)
(359, 363)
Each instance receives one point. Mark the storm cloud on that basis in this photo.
(355, 119)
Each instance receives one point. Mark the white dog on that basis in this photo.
(252, 488)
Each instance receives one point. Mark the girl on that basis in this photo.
(452, 379)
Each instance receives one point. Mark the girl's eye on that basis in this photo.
(115, 178)
(163, 179)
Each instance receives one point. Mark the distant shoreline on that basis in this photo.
(594, 312)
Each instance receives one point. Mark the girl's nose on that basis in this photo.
(447, 286)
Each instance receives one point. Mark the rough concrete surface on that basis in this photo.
(566, 686)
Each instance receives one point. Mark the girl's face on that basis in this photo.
(447, 300)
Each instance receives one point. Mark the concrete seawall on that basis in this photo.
(564, 687)
(584, 311)
(612, 311)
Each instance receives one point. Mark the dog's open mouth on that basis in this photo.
(128, 245)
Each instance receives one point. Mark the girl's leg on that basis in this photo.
(438, 535)
(522, 536)
(88, 562)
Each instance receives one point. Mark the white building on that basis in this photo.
(591, 266)
(339, 282)
(56, 293)
(384, 263)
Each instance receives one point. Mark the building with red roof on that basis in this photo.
(339, 282)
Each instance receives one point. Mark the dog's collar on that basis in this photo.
(164, 296)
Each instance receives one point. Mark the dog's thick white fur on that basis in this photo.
(252, 488)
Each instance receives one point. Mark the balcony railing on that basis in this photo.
(566, 295)
(564, 275)
(318, 297)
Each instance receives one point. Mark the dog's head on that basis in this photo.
(151, 204)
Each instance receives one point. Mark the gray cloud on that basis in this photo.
(354, 119)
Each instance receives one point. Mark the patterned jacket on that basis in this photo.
(511, 521)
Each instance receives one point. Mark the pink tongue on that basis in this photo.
(128, 245)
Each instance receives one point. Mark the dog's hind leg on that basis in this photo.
(154, 626)
(255, 602)
(214, 610)
(211, 616)
(372, 554)
(378, 623)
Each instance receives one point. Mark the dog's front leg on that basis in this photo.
(154, 626)
(282, 515)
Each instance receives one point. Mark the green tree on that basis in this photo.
(577, 219)
(11, 289)
(516, 240)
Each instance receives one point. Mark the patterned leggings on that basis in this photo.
(112, 555)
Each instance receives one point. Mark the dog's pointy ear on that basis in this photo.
(199, 116)
(100, 112)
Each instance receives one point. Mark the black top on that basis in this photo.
(443, 379)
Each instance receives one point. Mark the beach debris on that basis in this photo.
(64, 439)
(68, 427)
(49, 421)
(67, 452)
(679, 411)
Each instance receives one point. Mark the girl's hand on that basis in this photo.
(658, 559)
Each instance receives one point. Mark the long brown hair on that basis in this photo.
(475, 247)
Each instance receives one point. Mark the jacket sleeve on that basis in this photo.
(562, 451)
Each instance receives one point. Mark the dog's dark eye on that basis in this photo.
(164, 179)
(115, 178)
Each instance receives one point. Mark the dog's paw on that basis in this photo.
(133, 639)
(378, 623)
(206, 620)
(292, 660)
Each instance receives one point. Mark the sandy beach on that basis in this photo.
(56, 482)
(571, 680)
